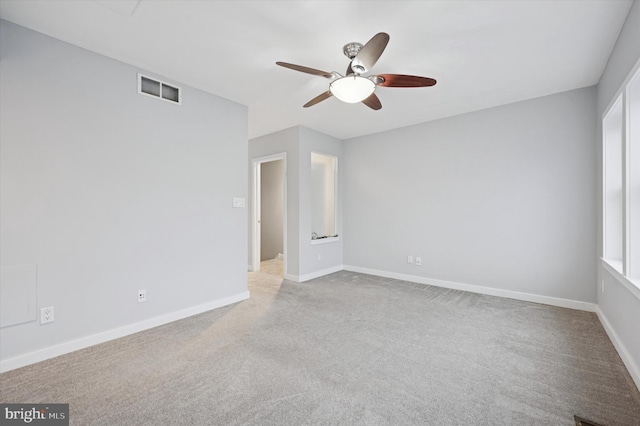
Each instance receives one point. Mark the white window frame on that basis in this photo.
(329, 239)
(626, 270)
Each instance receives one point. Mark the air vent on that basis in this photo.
(158, 89)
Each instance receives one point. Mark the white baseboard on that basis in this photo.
(250, 268)
(627, 359)
(527, 297)
(85, 342)
(321, 273)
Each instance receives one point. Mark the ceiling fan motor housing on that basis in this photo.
(350, 50)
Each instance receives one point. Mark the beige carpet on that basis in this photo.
(270, 267)
(346, 349)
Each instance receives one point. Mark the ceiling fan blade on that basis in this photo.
(400, 80)
(321, 97)
(373, 102)
(370, 53)
(305, 69)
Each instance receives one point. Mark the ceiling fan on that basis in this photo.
(353, 87)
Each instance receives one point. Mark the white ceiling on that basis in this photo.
(483, 53)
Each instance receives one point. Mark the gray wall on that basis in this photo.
(322, 257)
(304, 260)
(108, 191)
(618, 306)
(284, 141)
(501, 198)
(272, 209)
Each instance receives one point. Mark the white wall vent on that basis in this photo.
(150, 86)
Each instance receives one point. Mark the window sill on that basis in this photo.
(615, 268)
(325, 240)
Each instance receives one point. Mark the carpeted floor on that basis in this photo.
(346, 349)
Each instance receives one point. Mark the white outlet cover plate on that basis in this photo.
(46, 315)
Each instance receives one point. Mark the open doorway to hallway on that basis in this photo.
(269, 216)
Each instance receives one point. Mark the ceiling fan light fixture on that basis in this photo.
(352, 88)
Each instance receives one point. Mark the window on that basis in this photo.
(324, 172)
(621, 182)
(613, 193)
(633, 181)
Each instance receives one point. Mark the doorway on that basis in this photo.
(269, 236)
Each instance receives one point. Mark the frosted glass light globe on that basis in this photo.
(352, 88)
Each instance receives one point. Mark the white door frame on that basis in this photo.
(256, 228)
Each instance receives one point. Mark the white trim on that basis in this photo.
(626, 183)
(250, 268)
(255, 215)
(291, 277)
(627, 359)
(605, 168)
(321, 273)
(527, 297)
(105, 336)
(324, 240)
(624, 280)
(312, 275)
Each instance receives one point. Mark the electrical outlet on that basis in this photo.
(142, 296)
(46, 315)
(418, 261)
(409, 259)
